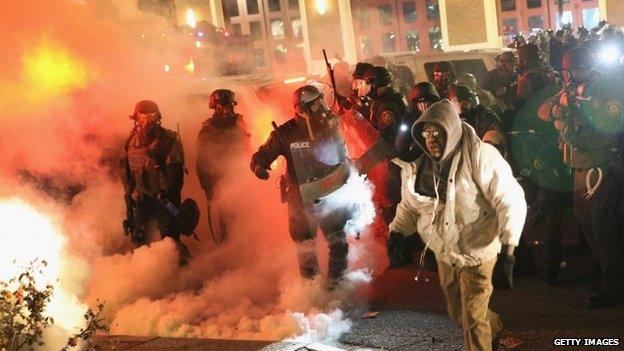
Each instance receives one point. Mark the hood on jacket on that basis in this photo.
(442, 113)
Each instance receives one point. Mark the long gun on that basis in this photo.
(332, 78)
(569, 114)
(128, 223)
(342, 102)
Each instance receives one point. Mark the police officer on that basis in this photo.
(387, 106)
(593, 153)
(481, 118)
(316, 165)
(154, 175)
(444, 76)
(501, 81)
(222, 136)
(533, 74)
(359, 99)
(486, 98)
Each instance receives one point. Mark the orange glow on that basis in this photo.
(261, 126)
(49, 68)
(190, 67)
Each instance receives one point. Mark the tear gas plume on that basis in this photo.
(70, 79)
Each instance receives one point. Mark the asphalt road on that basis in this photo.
(412, 315)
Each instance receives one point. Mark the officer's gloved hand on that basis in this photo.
(398, 251)
(261, 172)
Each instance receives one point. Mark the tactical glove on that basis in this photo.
(261, 172)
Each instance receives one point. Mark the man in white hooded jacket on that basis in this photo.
(463, 200)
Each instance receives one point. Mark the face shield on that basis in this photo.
(363, 88)
(143, 119)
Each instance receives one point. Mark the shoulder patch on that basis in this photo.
(387, 118)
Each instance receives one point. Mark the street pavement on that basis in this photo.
(412, 316)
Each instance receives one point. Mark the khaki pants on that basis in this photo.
(467, 293)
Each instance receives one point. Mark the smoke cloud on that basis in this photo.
(72, 72)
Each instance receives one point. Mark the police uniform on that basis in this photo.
(222, 137)
(154, 167)
(309, 159)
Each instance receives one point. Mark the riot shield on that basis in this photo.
(321, 164)
(602, 104)
(535, 149)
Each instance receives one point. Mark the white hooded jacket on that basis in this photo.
(484, 205)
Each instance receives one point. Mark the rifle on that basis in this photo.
(128, 224)
(570, 113)
(343, 104)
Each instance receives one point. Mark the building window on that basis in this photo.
(388, 42)
(280, 53)
(230, 8)
(566, 19)
(591, 17)
(435, 38)
(366, 46)
(409, 11)
(510, 26)
(508, 5)
(531, 4)
(277, 29)
(255, 28)
(293, 4)
(536, 22)
(295, 24)
(385, 14)
(252, 7)
(433, 10)
(363, 17)
(274, 5)
(259, 57)
(413, 40)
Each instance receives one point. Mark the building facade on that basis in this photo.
(291, 33)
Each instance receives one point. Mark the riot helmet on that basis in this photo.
(443, 75)
(468, 79)
(464, 98)
(360, 69)
(305, 97)
(422, 95)
(223, 97)
(377, 77)
(576, 64)
(146, 112)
